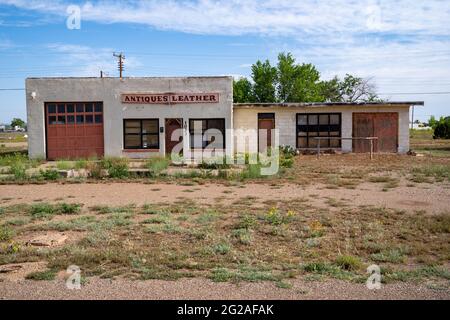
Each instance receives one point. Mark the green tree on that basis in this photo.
(18, 122)
(264, 78)
(242, 91)
(351, 89)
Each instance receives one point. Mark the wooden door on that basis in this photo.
(266, 123)
(170, 126)
(383, 125)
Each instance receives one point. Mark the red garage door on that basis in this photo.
(74, 130)
(383, 125)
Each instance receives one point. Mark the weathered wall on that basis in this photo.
(285, 121)
(109, 91)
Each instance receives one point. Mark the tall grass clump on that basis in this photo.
(157, 165)
(64, 165)
(116, 167)
(18, 169)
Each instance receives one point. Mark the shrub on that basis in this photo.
(95, 169)
(218, 163)
(252, 171)
(50, 174)
(222, 248)
(274, 217)
(42, 275)
(157, 165)
(42, 210)
(116, 167)
(6, 233)
(18, 169)
(64, 165)
(349, 263)
(69, 208)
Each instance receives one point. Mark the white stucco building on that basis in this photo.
(143, 117)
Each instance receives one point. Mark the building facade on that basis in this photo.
(71, 118)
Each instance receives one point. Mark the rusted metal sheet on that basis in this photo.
(383, 125)
(74, 130)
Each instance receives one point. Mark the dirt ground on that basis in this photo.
(432, 198)
(202, 289)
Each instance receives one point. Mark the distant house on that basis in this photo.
(2, 128)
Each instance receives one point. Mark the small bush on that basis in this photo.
(442, 130)
(18, 169)
(42, 210)
(64, 165)
(349, 263)
(157, 165)
(50, 175)
(42, 275)
(243, 236)
(117, 167)
(252, 171)
(69, 208)
(6, 233)
(274, 217)
(95, 169)
(222, 248)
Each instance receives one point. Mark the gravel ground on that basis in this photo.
(430, 198)
(202, 289)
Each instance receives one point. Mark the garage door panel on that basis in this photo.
(74, 140)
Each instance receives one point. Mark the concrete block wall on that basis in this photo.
(285, 122)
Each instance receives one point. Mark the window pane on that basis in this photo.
(80, 119)
(335, 133)
(323, 119)
(70, 108)
(197, 125)
(216, 124)
(302, 120)
(52, 119)
(70, 119)
(51, 108)
(324, 143)
(312, 143)
(98, 118)
(132, 141)
(89, 107)
(99, 107)
(302, 133)
(89, 119)
(61, 119)
(150, 141)
(61, 108)
(334, 119)
(80, 107)
(132, 126)
(150, 126)
(302, 143)
(335, 143)
(313, 119)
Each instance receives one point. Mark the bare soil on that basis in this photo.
(202, 289)
(432, 198)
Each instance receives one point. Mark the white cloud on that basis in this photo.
(87, 61)
(281, 17)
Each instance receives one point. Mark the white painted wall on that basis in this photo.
(109, 91)
(285, 120)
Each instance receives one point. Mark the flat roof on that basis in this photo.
(328, 104)
(125, 78)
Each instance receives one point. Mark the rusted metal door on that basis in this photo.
(170, 127)
(266, 123)
(383, 125)
(74, 130)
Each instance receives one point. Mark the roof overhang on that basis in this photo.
(329, 104)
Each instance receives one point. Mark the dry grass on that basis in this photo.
(272, 241)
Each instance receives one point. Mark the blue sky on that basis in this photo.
(404, 46)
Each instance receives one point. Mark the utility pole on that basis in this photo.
(121, 57)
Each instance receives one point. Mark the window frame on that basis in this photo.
(141, 135)
(204, 130)
(329, 114)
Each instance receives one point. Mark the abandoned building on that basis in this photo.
(70, 118)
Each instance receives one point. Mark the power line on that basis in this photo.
(415, 93)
